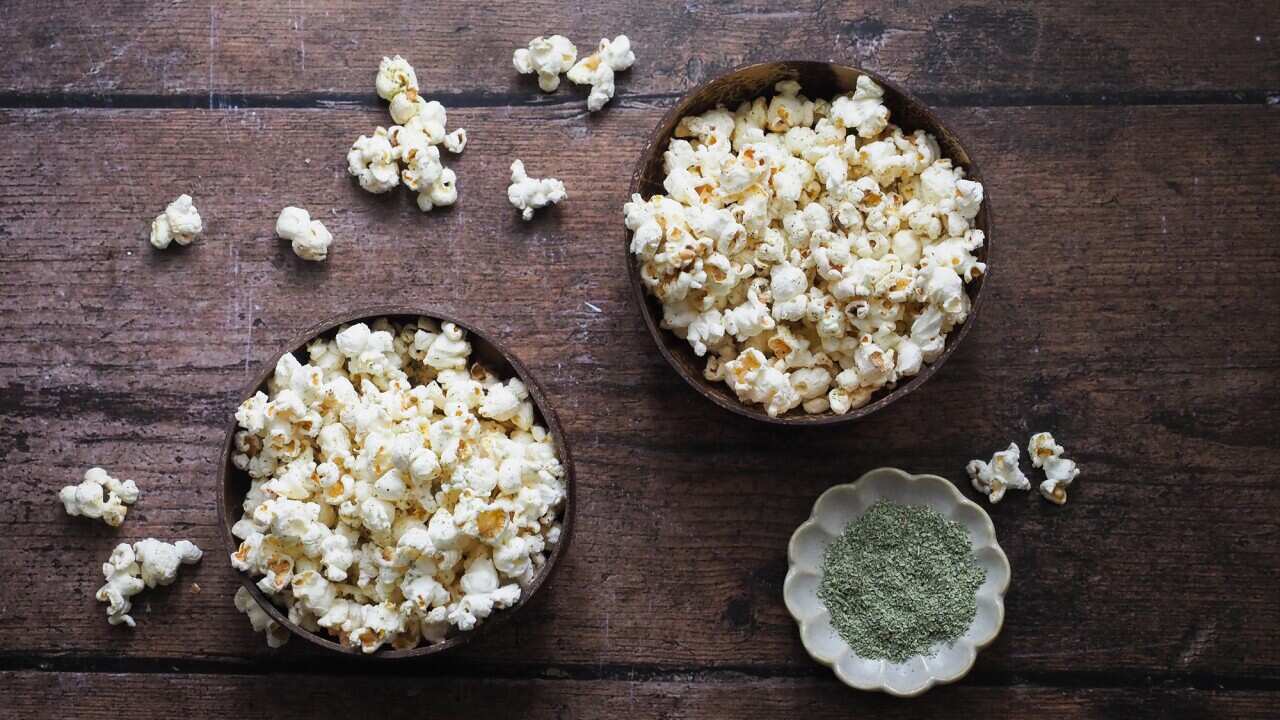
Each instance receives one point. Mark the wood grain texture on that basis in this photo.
(215, 697)
(1131, 313)
(1043, 51)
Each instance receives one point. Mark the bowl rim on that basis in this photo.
(297, 342)
(987, 528)
(657, 139)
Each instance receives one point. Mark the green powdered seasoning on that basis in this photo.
(900, 580)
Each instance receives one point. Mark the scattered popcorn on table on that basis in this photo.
(456, 141)
(808, 249)
(597, 69)
(407, 151)
(100, 496)
(395, 75)
(145, 564)
(310, 238)
(398, 490)
(1060, 472)
(180, 222)
(528, 194)
(1002, 473)
(549, 57)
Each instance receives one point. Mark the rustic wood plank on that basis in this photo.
(1131, 312)
(983, 49)
(203, 696)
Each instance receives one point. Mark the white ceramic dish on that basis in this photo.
(832, 511)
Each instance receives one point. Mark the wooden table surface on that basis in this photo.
(1131, 158)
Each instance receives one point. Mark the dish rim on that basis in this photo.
(986, 531)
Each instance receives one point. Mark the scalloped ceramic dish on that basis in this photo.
(832, 511)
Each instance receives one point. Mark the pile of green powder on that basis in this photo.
(900, 580)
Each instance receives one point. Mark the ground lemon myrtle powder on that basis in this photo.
(900, 580)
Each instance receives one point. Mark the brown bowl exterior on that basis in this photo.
(235, 482)
(818, 80)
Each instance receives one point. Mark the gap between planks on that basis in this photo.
(452, 668)
(237, 101)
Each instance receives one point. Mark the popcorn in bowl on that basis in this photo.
(399, 491)
(810, 250)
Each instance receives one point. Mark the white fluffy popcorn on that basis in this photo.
(310, 238)
(528, 194)
(180, 222)
(408, 152)
(100, 496)
(145, 564)
(395, 75)
(277, 634)
(807, 247)
(158, 561)
(456, 141)
(372, 161)
(598, 68)
(1001, 474)
(399, 490)
(549, 57)
(1059, 472)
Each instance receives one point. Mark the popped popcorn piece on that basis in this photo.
(399, 491)
(121, 573)
(1043, 447)
(409, 104)
(815, 233)
(442, 192)
(277, 634)
(864, 110)
(1059, 472)
(158, 561)
(180, 222)
(549, 57)
(527, 194)
(395, 75)
(422, 167)
(598, 68)
(100, 496)
(481, 594)
(372, 161)
(310, 238)
(1001, 474)
(456, 141)
(145, 564)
